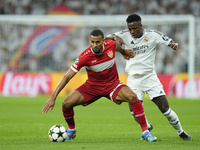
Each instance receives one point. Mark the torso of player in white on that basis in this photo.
(149, 40)
(144, 49)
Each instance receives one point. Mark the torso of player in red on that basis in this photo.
(100, 68)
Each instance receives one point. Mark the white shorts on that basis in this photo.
(149, 84)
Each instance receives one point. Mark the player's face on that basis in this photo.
(135, 29)
(96, 43)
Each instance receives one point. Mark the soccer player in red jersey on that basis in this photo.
(103, 81)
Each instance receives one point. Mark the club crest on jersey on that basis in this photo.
(146, 39)
(110, 54)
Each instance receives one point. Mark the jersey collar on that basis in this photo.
(99, 53)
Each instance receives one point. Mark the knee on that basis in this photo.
(164, 109)
(132, 97)
(65, 104)
(162, 103)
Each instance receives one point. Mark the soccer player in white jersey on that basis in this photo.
(103, 81)
(142, 77)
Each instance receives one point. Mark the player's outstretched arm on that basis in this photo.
(173, 45)
(51, 101)
(126, 53)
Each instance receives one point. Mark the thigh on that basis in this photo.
(139, 93)
(112, 91)
(91, 93)
(126, 95)
(75, 98)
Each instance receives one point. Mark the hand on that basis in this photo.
(119, 40)
(48, 105)
(128, 54)
(174, 46)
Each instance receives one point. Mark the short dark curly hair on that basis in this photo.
(133, 18)
(97, 32)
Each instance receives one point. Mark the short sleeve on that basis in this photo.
(161, 38)
(78, 64)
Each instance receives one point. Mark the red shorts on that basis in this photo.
(93, 92)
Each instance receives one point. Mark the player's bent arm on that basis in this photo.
(119, 49)
(115, 38)
(173, 45)
(127, 53)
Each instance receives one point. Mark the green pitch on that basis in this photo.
(102, 125)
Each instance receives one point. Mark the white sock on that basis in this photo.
(173, 120)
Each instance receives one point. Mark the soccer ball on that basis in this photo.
(57, 133)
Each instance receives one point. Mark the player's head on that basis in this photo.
(96, 41)
(134, 25)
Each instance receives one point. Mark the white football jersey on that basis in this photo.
(144, 49)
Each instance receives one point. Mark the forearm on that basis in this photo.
(59, 87)
(120, 49)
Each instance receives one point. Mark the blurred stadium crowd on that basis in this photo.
(93, 7)
(167, 61)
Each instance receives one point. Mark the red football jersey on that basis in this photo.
(100, 68)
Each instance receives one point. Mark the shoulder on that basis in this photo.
(109, 42)
(109, 45)
(87, 52)
(83, 58)
(154, 32)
